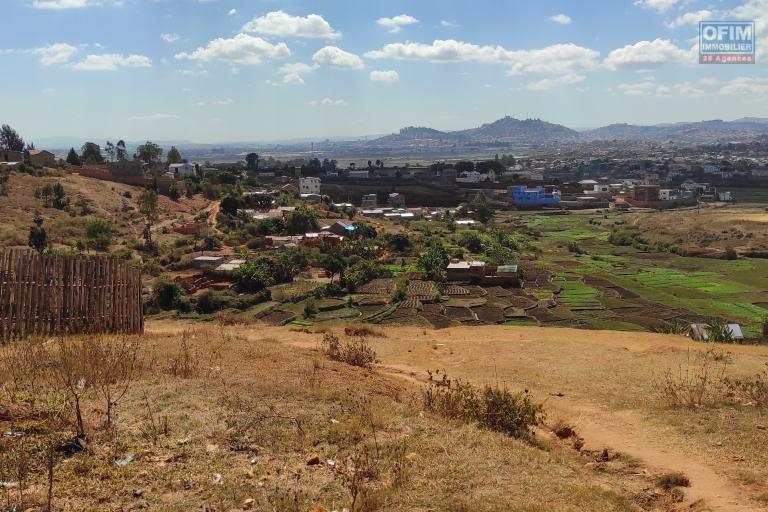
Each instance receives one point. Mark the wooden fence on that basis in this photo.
(44, 295)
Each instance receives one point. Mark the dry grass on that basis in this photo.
(260, 420)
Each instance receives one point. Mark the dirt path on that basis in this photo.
(628, 433)
(213, 211)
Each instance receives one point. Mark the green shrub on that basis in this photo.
(492, 407)
(168, 296)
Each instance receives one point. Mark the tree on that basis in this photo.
(174, 157)
(173, 193)
(73, 158)
(482, 211)
(91, 153)
(433, 262)
(361, 272)
(231, 204)
(149, 153)
(99, 233)
(365, 230)
(464, 166)
(120, 150)
(10, 139)
(38, 238)
(58, 196)
(254, 275)
(333, 263)
(109, 149)
(302, 220)
(398, 242)
(148, 208)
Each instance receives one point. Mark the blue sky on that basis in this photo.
(248, 70)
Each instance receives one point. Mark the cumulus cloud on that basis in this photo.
(336, 57)
(225, 101)
(448, 24)
(657, 5)
(551, 83)
(281, 24)
(384, 76)
(112, 62)
(232, 12)
(241, 49)
(646, 55)
(396, 23)
(637, 89)
(170, 38)
(745, 86)
(293, 74)
(690, 18)
(555, 59)
(57, 53)
(72, 4)
(328, 102)
(562, 19)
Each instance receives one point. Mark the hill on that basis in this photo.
(699, 132)
(509, 129)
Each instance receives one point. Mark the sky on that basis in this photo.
(263, 70)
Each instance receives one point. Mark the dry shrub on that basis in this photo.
(363, 332)
(356, 352)
(186, 363)
(669, 481)
(492, 407)
(698, 382)
(750, 390)
(82, 367)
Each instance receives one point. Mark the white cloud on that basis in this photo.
(709, 81)
(690, 18)
(657, 5)
(448, 24)
(57, 53)
(756, 10)
(745, 86)
(279, 23)
(225, 101)
(293, 74)
(328, 102)
(384, 76)
(550, 83)
(646, 55)
(154, 117)
(562, 19)
(687, 89)
(192, 72)
(396, 23)
(72, 4)
(232, 12)
(112, 62)
(638, 89)
(170, 38)
(555, 59)
(241, 49)
(334, 56)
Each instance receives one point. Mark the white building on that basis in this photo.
(476, 177)
(184, 169)
(358, 175)
(309, 185)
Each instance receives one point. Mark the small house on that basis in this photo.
(465, 270)
(11, 157)
(41, 158)
(396, 200)
(369, 201)
(340, 228)
(182, 169)
(207, 261)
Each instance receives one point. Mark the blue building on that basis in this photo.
(538, 197)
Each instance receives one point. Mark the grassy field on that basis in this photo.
(244, 418)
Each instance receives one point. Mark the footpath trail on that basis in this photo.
(628, 433)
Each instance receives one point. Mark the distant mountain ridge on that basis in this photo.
(535, 131)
